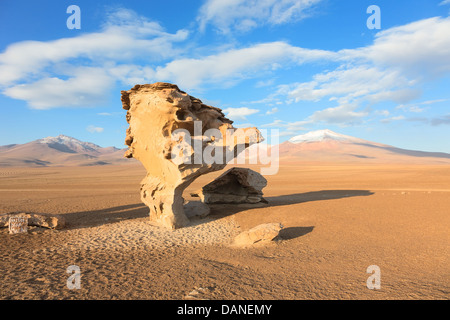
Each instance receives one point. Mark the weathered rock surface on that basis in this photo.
(262, 233)
(156, 114)
(34, 219)
(237, 185)
(196, 209)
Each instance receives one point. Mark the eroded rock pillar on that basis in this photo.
(177, 138)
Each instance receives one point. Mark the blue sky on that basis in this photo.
(292, 65)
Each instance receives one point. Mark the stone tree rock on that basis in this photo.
(177, 138)
(237, 185)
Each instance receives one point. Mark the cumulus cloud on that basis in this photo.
(393, 68)
(236, 64)
(434, 121)
(420, 49)
(349, 82)
(239, 113)
(342, 114)
(272, 111)
(25, 66)
(86, 87)
(132, 49)
(94, 129)
(288, 128)
(30, 67)
(244, 15)
(442, 120)
(264, 83)
(396, 118)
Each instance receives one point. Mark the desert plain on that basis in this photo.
(338, 218)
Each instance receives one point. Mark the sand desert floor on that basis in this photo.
(338, 219)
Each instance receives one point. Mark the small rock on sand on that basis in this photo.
(260, 234)
(196, 209)
(34, 219)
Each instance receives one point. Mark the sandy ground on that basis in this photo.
(338, 219)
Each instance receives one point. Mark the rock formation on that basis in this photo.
(34, 219)
(237, 185)
(177, 138)
(196, 209)
(260, 234)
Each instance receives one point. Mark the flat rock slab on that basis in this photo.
(262, 233)
(196, 209)
(235, 186)
(34, 219)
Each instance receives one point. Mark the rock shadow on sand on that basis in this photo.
(93, 218)
(294, 232)
(223, 210)
(315, 196)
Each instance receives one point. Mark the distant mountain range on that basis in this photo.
(326, 145)
(59, 151)
(314, 146)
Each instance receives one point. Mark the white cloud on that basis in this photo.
(415, 107)
(342, 114)
(87, 87)
(94, 129)
(27, 58)
(410, 108)
(444, 2)
(288, 128)
(110, 114)
(264, 83)
(420, 49)
(272, 111)
(236, 64)
(129, 47)
(394, 68)
(382, 112)
(435, 121)
(396, 118)
(29, 66)
(239, 113)
(244, 15)
(353, 81)
(434, 101)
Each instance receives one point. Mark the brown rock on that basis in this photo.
(262, 233)
(237, 185)
(156, 112)
(38, 220)
(196, 209)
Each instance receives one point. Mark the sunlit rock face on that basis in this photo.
(177, 138)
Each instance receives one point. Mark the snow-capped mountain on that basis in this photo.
(59, 151)
(328, 146)
(68, 144)
(322, 135)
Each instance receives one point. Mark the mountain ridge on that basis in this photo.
(326, 145)
(61, 150)
(321, 135)
(314, 146)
